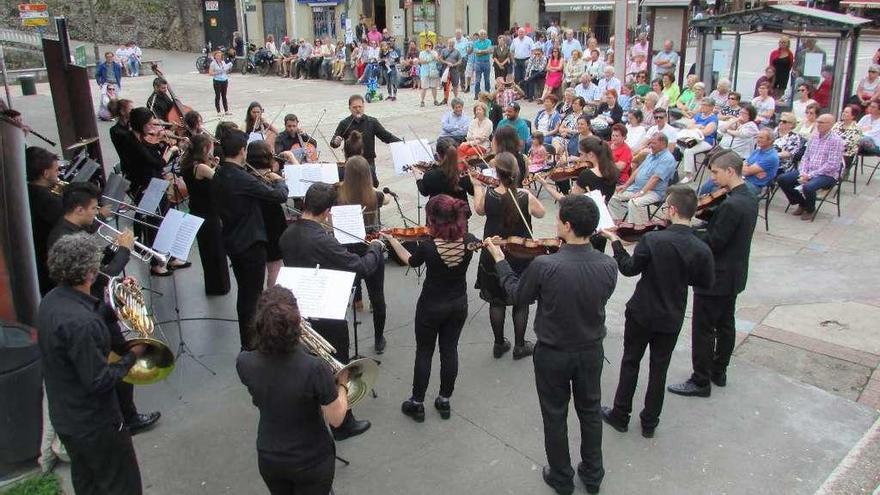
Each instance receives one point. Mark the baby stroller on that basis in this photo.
(373, 93)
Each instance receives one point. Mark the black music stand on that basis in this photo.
(355, 324)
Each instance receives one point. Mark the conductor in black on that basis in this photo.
(572, 287)
(669, 261)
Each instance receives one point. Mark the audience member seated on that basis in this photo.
(643, 87)
(819, 169)
(730, 111)
(574, 68)
(635, 129)
(647, 185)
(620, 152)
(869, 87)
(649, 104)
(870, 126)
(455, 123)
(638, 65)
(536, 71)
(569, 125)
(799, 107)
(706, 122)
(720, 94)
(548, 119)
(479, 133)
(759, 169)
(687, 95)
(586, 89)
(609, 109)
(822, 94)
(538, 156)
(740, 135)
(608, 81)
(769, 78)
(670, 89)
(130, 58)
(848, 130)
(807, 127)
(788, 143)
(765, 106)
(661, 126)
(511, 118)
(687, 110)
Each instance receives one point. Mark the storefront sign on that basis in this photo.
(212, 6)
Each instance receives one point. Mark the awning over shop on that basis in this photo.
(580, 5)
(868, 4)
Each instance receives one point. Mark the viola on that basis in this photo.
(631, 232)
(523, 247)
(175, 115)
(707, 201)
(569, 172)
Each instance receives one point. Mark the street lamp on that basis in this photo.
(348, 71)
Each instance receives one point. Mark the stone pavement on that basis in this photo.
(799, 412)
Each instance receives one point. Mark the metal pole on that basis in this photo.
(851, 69)
(620, 21)
(94, 30)
(5, 78)
(348, 72)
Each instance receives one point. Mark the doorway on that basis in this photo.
(499, 17)
(220, 22)
(274, 20)
(379, 14)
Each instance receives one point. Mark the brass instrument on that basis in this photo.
(140, 251)
(137, 327)
(58, 187)
(362, 373)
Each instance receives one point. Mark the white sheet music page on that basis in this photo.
(421, 150)
(153, 195)
(300, 177)
(319, 293)
(177, 234)
(350, 219)
(401, 155)
(606, 221)
(296, 188)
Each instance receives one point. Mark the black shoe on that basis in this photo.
(648, 431)
(498, 350)
(442, 405)
(545, 473)
(720, 379)
(591, 487)
(380, 345)
(351, 429)
(609, 418)
(180, 266)
(690, 389)
(141, 422)
(524, 350)
(413, 410)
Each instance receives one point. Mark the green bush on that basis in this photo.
(47, 484)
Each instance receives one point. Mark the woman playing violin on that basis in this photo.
(256, 126)
(442, 307)
(505, 218)
(261, 158)
(445, 178)
(357, 189)
(197, 168)
(194, 124)
(507, 140)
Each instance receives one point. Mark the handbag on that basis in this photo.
(445, 77)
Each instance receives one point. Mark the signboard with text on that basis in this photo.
(33, 14)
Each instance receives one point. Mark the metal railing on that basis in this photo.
(20, 37)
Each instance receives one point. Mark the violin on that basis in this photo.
(175, 115)
(631, 232)
(707, 201)
(569, 172)
(404, 234)
(167, 137)
(523, 247)
(421, 166)
(308, 150)
(176, 192)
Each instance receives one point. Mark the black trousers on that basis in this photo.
(124, 391)
(636, 338)
(336, 333)
(282, 478)
(103, 463)
(437, 321)
(713, 335)
(519, 69)
(559, 375)
(375, 283)
(531, 84)
(220, 88)
(249, 268)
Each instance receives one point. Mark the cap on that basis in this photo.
(514, 105)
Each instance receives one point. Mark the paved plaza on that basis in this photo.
(799, 414)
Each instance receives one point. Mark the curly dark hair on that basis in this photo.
(276, 323)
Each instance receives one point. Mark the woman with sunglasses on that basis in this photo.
(429, 76)
(807, 127)
(869, 87)
(787, 143)
(799, 106)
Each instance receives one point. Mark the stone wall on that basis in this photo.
(164, 24)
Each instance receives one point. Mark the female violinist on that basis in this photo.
(261, 158)
(194, 124)
(442, 308)
(507, 140)
(197, 169)
(504, 218)
(150, 154)
(256, 126)
(445, 178)
(357, 189)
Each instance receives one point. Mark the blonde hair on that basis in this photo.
(480, 104)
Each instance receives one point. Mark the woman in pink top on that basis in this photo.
(555, 67)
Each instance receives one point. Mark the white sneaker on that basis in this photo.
(686, 179)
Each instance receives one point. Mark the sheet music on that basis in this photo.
(350, 219)
(153, 195)
(606, 221)
(489, 172)
(410, 152)
(86, 172)
(116, 188)
(319, 293)
(421, 150)
(300, 177)
(177, 234)
(255, 136)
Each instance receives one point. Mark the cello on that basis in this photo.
(175, 115)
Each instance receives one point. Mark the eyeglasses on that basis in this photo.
(802, 90)
(660, 116)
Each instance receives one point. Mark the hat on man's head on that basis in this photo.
(514, 105)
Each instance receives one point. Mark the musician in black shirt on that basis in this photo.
(42, 174)
(729, 236)
(296, 393)
(293, 139)
(669, 261)
(237, 197)
(160, 102)
(370, 129)
(445, 178)
(307, 244)
(75, 342)
(572, 287)
(121, 136)
(442, 307)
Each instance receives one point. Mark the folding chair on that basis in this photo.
(861, 157)
(829, 192)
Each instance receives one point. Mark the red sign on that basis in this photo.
(32, 7)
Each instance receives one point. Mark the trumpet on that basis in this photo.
(362, 373)
(140, 251)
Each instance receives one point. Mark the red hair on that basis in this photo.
(447, 217)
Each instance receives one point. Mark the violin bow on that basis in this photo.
(272, 122)
(323, 112)
(426, 148)
(325, 224)
(332, 149)
(519, 210)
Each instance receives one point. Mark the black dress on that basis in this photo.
(210, 236)
(275, 222)
(596, 183)
(434, 183)
(783, 71)
(488, 282)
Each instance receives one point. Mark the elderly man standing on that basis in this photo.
(570, 44)
(666, 62)
(521, 47)
(819, 169)
(482, 48)
(455, 123)
(647, 186)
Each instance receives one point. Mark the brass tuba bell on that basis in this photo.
(138, 327)
(362, 373)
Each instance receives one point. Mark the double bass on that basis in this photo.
(175, 115)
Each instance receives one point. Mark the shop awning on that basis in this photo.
(666, 3)
(868, 4)
(580, 5)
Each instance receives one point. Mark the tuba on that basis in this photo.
(362, 373)
(58, 188)
(138, 327)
